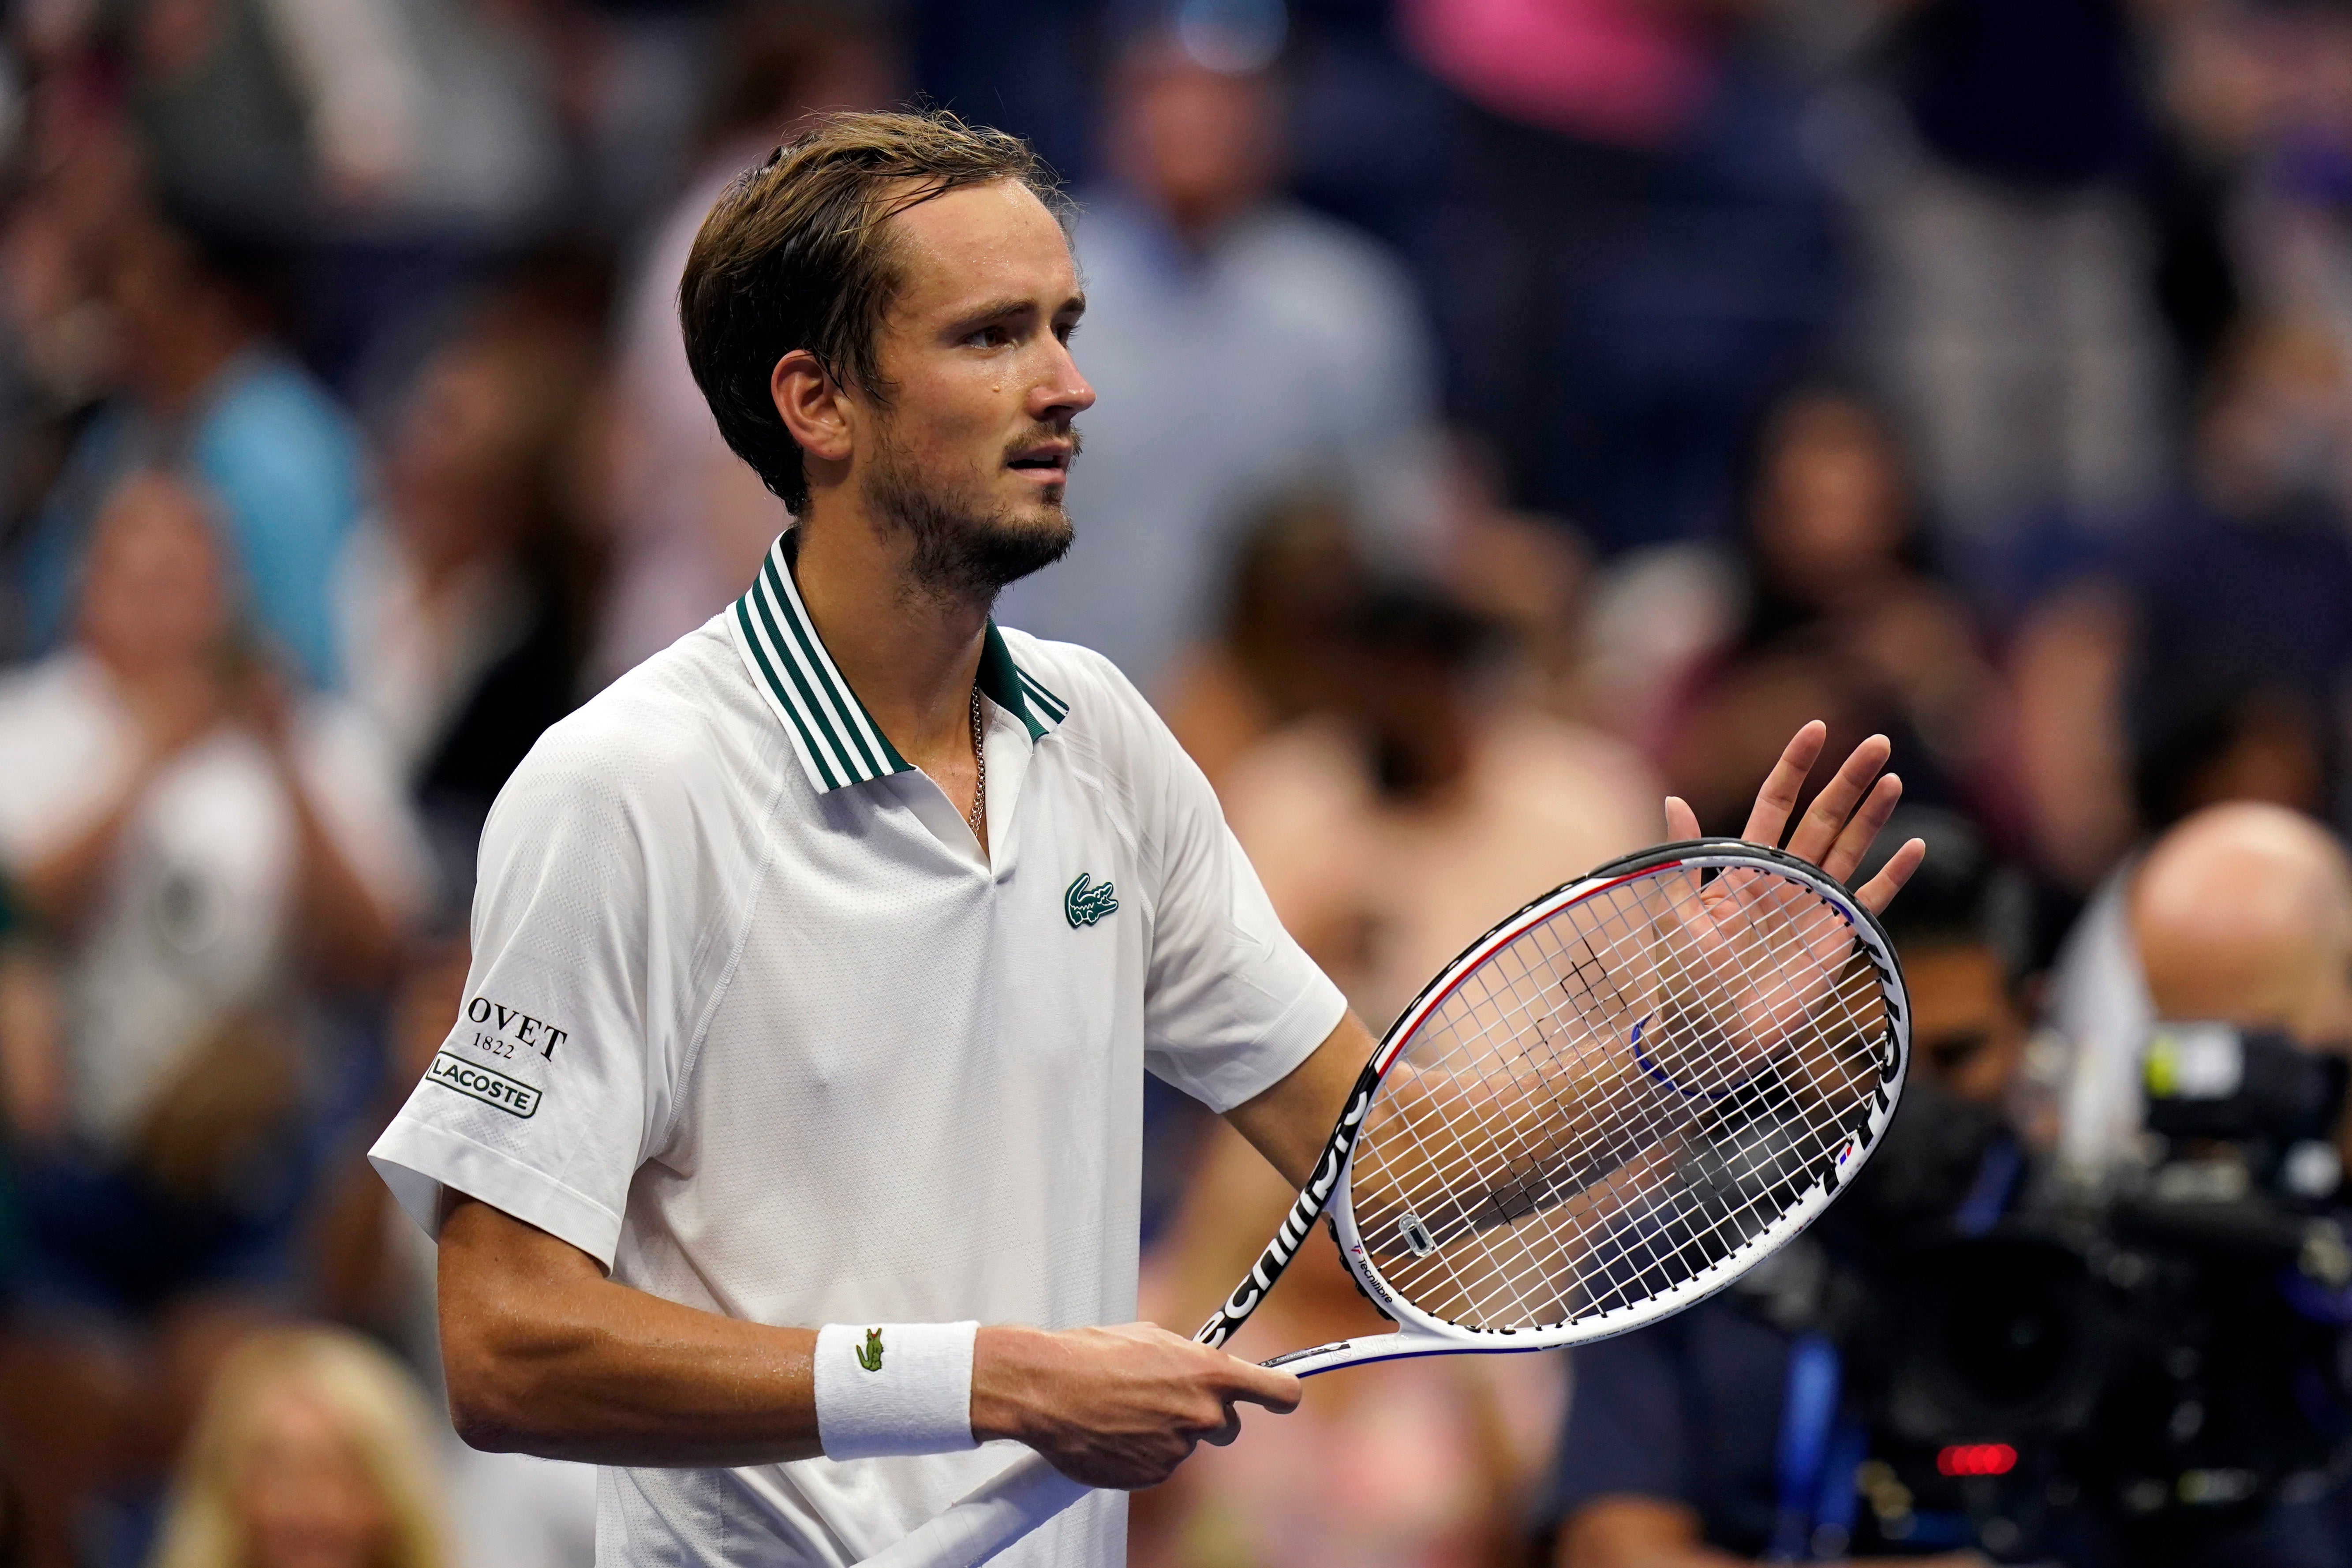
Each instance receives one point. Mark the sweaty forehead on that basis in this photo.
(980, 243)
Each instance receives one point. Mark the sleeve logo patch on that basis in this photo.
(869, 1355)
(1088, 900)
(494, 1088)
(506, 1029)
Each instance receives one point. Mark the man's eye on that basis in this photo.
(991, 337)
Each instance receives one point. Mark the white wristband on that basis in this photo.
(901, 1388)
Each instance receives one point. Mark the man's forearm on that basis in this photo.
(547, 1356)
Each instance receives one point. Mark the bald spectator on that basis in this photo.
(2241, 914)
(2244, 915)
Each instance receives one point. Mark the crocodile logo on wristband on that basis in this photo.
(870, 1355)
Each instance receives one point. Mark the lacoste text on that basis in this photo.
(514, 1098)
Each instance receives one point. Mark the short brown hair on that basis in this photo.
(794, 256)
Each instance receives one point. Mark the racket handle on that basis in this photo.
(992, 1516)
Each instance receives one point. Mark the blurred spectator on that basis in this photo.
(2015, 313)
(2217, 670)
(1532, 576)
(1656, 615)
(206, 388)
(2273, 930)
(1680, 1449)
(2265, 93)
(1632, 249)
(1390, 830)
(2243, 915)
(201, 850)
(1843, 624)
(2244, 665)
(2066, 667)
(1625, 76)
(462, 602)
(400, 144)
(1241, 348)
(2214, 661)
(2239, 915)
(55, 362)
(692, 519)
(1297, 583)
(384, 114)
(225, 118)
(376, 1270)
(314, 1451)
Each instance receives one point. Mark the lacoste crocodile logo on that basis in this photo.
(870, 1357)
(1087, 902)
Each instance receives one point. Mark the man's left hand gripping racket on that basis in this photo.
(1607, 1109)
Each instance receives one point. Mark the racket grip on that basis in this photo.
(992, 1516)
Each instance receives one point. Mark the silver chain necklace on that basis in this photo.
(979, 812)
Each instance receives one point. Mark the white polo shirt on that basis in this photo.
(753, 1021)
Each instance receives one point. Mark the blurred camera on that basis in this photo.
(2148, 1368)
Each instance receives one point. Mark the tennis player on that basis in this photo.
(786, 1149)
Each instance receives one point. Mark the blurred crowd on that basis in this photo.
(1510, 411)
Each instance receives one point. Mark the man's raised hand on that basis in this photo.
(1756, 954)
(1837, 831)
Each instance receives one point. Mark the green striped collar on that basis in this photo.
(838, 742)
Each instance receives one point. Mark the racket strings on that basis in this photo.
(1747, 1165)
(1620, 1098)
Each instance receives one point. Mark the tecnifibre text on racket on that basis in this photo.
(1604, 1110)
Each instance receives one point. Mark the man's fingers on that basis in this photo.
(1226, 1432)
(1778, 796)
(1854, 842)
(1818, 834)
(1269, 1386)
(1880, 890)
(1682, 822)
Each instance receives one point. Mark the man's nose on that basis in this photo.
(1064, 390)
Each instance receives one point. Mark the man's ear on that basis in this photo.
(810, 402)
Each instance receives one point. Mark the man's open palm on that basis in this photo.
(1759, 940)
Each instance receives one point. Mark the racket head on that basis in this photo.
(1740, 1151)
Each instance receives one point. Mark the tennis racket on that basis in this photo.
(1607, 1109)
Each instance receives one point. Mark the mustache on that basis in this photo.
(1069, 432)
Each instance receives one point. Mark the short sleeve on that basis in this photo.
(1232, 1004)
(553, 1085)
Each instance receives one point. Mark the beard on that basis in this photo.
(965, 548)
